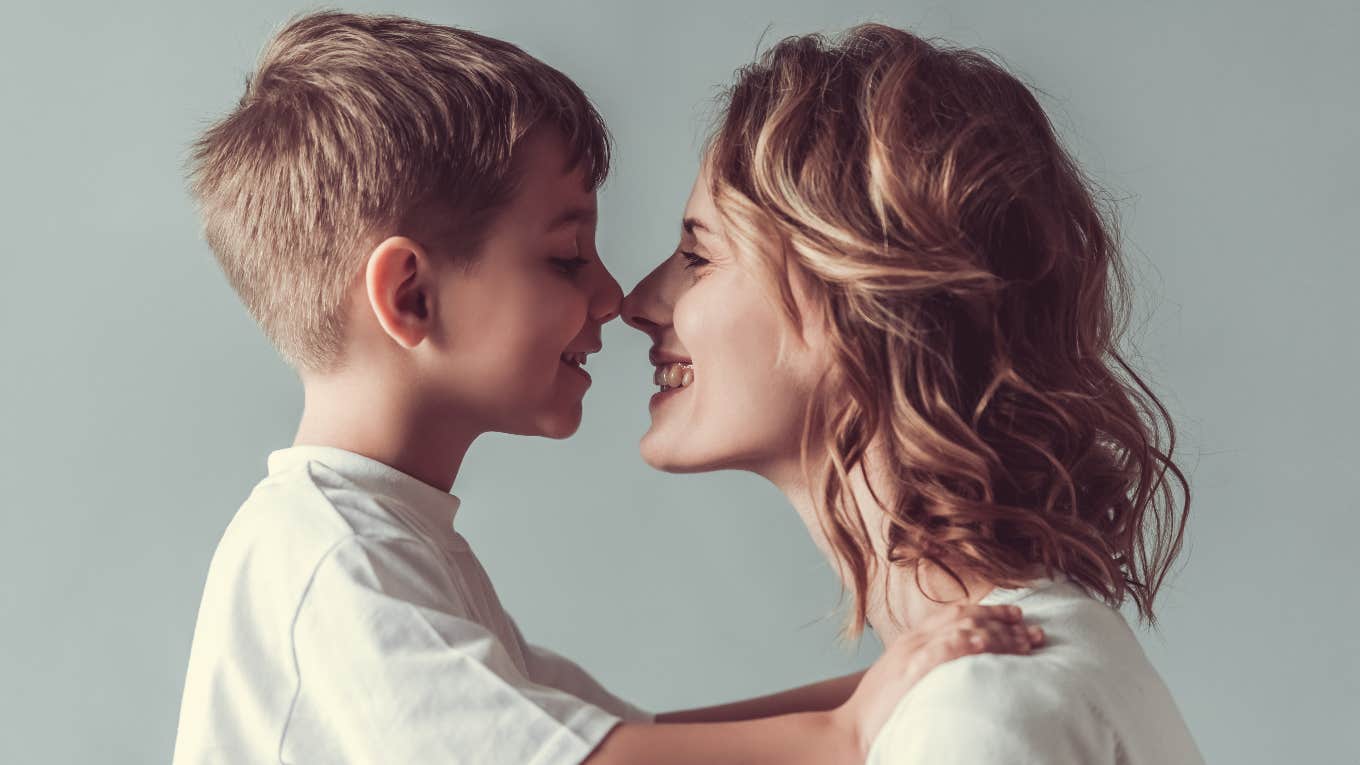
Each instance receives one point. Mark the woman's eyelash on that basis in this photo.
(693, 260)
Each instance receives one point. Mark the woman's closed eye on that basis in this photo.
(694, 260)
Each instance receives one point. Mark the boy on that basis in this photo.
(408, 211)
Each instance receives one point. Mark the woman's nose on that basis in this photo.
(644, 308)
(636, 319)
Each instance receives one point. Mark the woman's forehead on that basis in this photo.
(701, 213)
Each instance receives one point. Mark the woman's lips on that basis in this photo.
(674, 375)
(665, 395)
(674, 378)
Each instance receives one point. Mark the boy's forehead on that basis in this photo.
(574, 215)
(556, 189)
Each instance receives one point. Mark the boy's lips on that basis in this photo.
(575, 360)
(578, 370)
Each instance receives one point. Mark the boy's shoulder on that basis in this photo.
(324, 503)
(297, 514)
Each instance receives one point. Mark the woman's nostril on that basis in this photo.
(638, 321)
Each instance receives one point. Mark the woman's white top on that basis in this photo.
(1088, 697)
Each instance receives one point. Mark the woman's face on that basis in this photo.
(727, 397)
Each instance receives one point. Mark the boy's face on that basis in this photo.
(518, 322)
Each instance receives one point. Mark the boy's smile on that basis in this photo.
(522, 318)
(576, 361)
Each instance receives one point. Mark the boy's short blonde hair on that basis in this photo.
(357, 127)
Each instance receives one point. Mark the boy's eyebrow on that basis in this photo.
(572, 216)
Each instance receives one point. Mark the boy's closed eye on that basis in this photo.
(569, 266)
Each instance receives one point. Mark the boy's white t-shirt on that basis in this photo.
(345, 621)
(1088, 697)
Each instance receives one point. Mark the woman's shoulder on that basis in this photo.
(993, 709)
(1066, 702)
(1085, 637)
(1019, 689)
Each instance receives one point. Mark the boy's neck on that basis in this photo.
(365, 415)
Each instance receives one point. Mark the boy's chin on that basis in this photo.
(560, 424)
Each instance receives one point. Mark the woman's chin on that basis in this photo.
(668, 456)
(662, 453)
(656, 455)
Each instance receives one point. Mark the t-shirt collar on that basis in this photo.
(377, 477)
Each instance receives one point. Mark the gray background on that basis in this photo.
(139, 401)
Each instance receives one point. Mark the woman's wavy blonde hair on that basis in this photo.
(974, 298)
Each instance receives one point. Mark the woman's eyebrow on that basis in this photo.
(693, 224)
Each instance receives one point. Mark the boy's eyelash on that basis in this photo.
(570, 266)
(693, 260)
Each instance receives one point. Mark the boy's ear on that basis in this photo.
(400, 284)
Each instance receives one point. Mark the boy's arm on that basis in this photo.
(806, 737)
(841, 734)
(816, 697)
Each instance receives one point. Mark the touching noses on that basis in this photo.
(648, 307)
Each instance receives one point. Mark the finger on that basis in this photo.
(1004, 638)
(1020, 632)
(995, 637)
(1027, 636)
(955, 644)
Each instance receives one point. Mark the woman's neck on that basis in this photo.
(899, 596)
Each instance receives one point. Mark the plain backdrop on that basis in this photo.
(139, 401)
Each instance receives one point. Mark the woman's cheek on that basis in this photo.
(731, 335)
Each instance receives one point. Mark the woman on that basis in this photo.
(896, 298)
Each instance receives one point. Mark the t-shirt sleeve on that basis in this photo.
(968, 713)
(388, 672)
(556, 671)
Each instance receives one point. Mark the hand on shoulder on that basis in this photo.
(952, 633)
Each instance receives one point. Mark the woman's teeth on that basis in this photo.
(670, 376)
(575, 359)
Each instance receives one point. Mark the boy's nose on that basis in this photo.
(604, 304)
